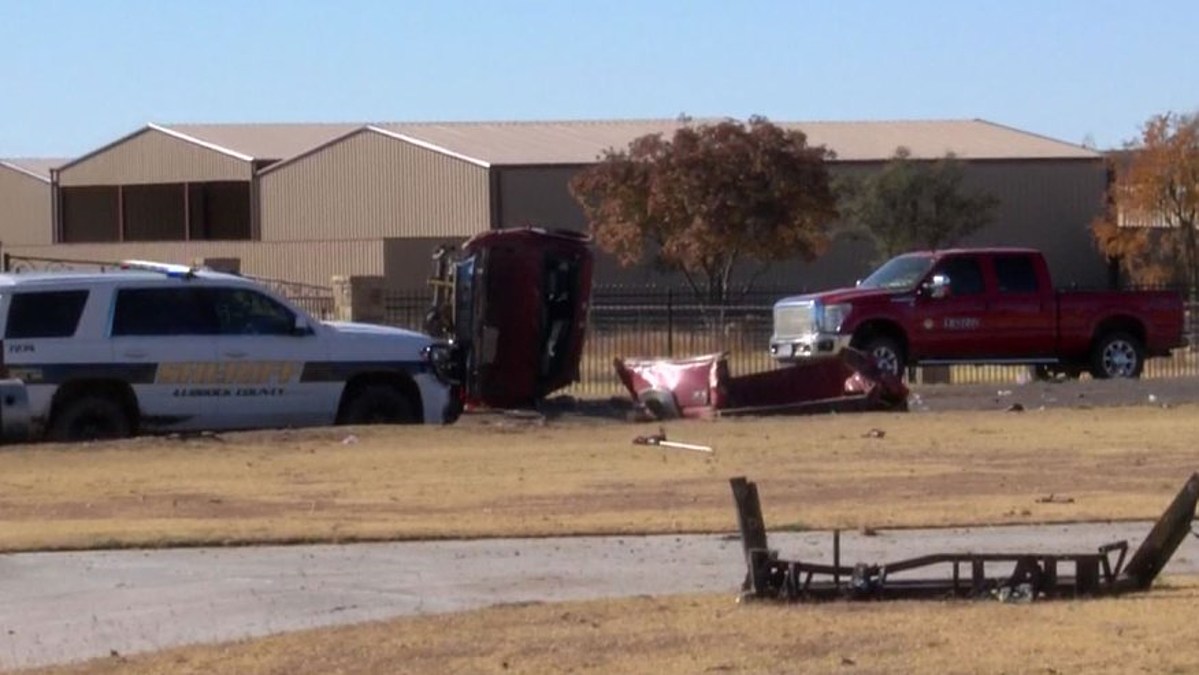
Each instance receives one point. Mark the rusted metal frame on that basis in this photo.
(1094, 573)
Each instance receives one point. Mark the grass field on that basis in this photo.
(503, 477)
(499, 476)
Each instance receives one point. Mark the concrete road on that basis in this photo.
(59, 607)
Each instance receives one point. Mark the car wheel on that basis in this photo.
(887, 354)
(90, 418)
(379, 404)
(1117, 355)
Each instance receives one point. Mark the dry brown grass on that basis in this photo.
(503, 478)
(711, 634)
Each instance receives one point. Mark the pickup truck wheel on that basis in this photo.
(379, 404)
(1117, 355)
(89, 418)
(887, 354)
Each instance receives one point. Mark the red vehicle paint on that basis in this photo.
(987, 305)
(514, 304)
(702, 387)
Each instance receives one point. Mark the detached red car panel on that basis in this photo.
(703, 387)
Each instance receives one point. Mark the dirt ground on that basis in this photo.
(1063, 458)
(964, 455)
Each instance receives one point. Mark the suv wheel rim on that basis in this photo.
(1119, 358)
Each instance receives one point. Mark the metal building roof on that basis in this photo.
(262, 141)
(37, 167)
(581, 142)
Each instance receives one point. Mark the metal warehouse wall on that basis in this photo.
(370, 185)
(24, 209)
(1047, 204)
(151, 156)
(301, 262)
(538, 197)
(408, 262)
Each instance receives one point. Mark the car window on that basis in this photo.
(1015, 274)
(163, 311)
(965, 276)
(242, 311)
(44, 314)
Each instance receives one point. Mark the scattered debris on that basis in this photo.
(1027, 576)
(349, 440)
(1003, 392)
(874, 433)
(869, 532)
(660, 440)
(1015, 407)
(1054, 499)
(701, 387)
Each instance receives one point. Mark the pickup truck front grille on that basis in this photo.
(793, 320)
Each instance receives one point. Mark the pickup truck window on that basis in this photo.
(901, 273)
(1015, 274)
(965, 276)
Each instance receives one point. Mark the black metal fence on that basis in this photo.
(649, 322)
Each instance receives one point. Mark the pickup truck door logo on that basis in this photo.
(961, 323)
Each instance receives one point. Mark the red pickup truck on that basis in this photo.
(993, 305)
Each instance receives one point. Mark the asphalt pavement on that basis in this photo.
(61, 607)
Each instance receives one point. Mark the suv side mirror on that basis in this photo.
(937, 287)
(301, 328)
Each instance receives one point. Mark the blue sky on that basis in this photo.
(75, 74)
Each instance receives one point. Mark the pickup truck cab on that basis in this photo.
(165, 348)
(993, 305)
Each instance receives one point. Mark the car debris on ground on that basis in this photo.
(702, 387)
(1025, 576)
(659, 439)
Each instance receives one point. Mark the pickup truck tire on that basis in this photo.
(887, 354)
(1117, 355)
(380, 404)
(89, 418)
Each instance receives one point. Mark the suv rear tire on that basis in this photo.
(379, 404)
(90, 418)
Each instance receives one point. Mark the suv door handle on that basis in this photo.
(134, 354)
(235, 355)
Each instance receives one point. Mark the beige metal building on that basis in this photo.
(25, 201)
(306, 202)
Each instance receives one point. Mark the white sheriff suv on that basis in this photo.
(165, 348)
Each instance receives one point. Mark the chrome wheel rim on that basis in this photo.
(886, 359)
(1119, 358)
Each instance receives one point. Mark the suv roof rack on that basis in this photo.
(169, 269)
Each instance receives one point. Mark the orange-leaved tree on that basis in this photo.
(710, 198)
(1153, 211)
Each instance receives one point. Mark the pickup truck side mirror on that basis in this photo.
(937, 287)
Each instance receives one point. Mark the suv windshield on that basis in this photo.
(900, 273)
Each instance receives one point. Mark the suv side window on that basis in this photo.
(1015, 274)
(163, 311)
(965, 276)
(242, 311)
(44, 314)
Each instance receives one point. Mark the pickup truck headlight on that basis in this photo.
(830, 317)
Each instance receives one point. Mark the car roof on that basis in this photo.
(92, 278)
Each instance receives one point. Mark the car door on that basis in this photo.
(1023, 312)
(163, 339)
(264, 358)
(954, 326)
